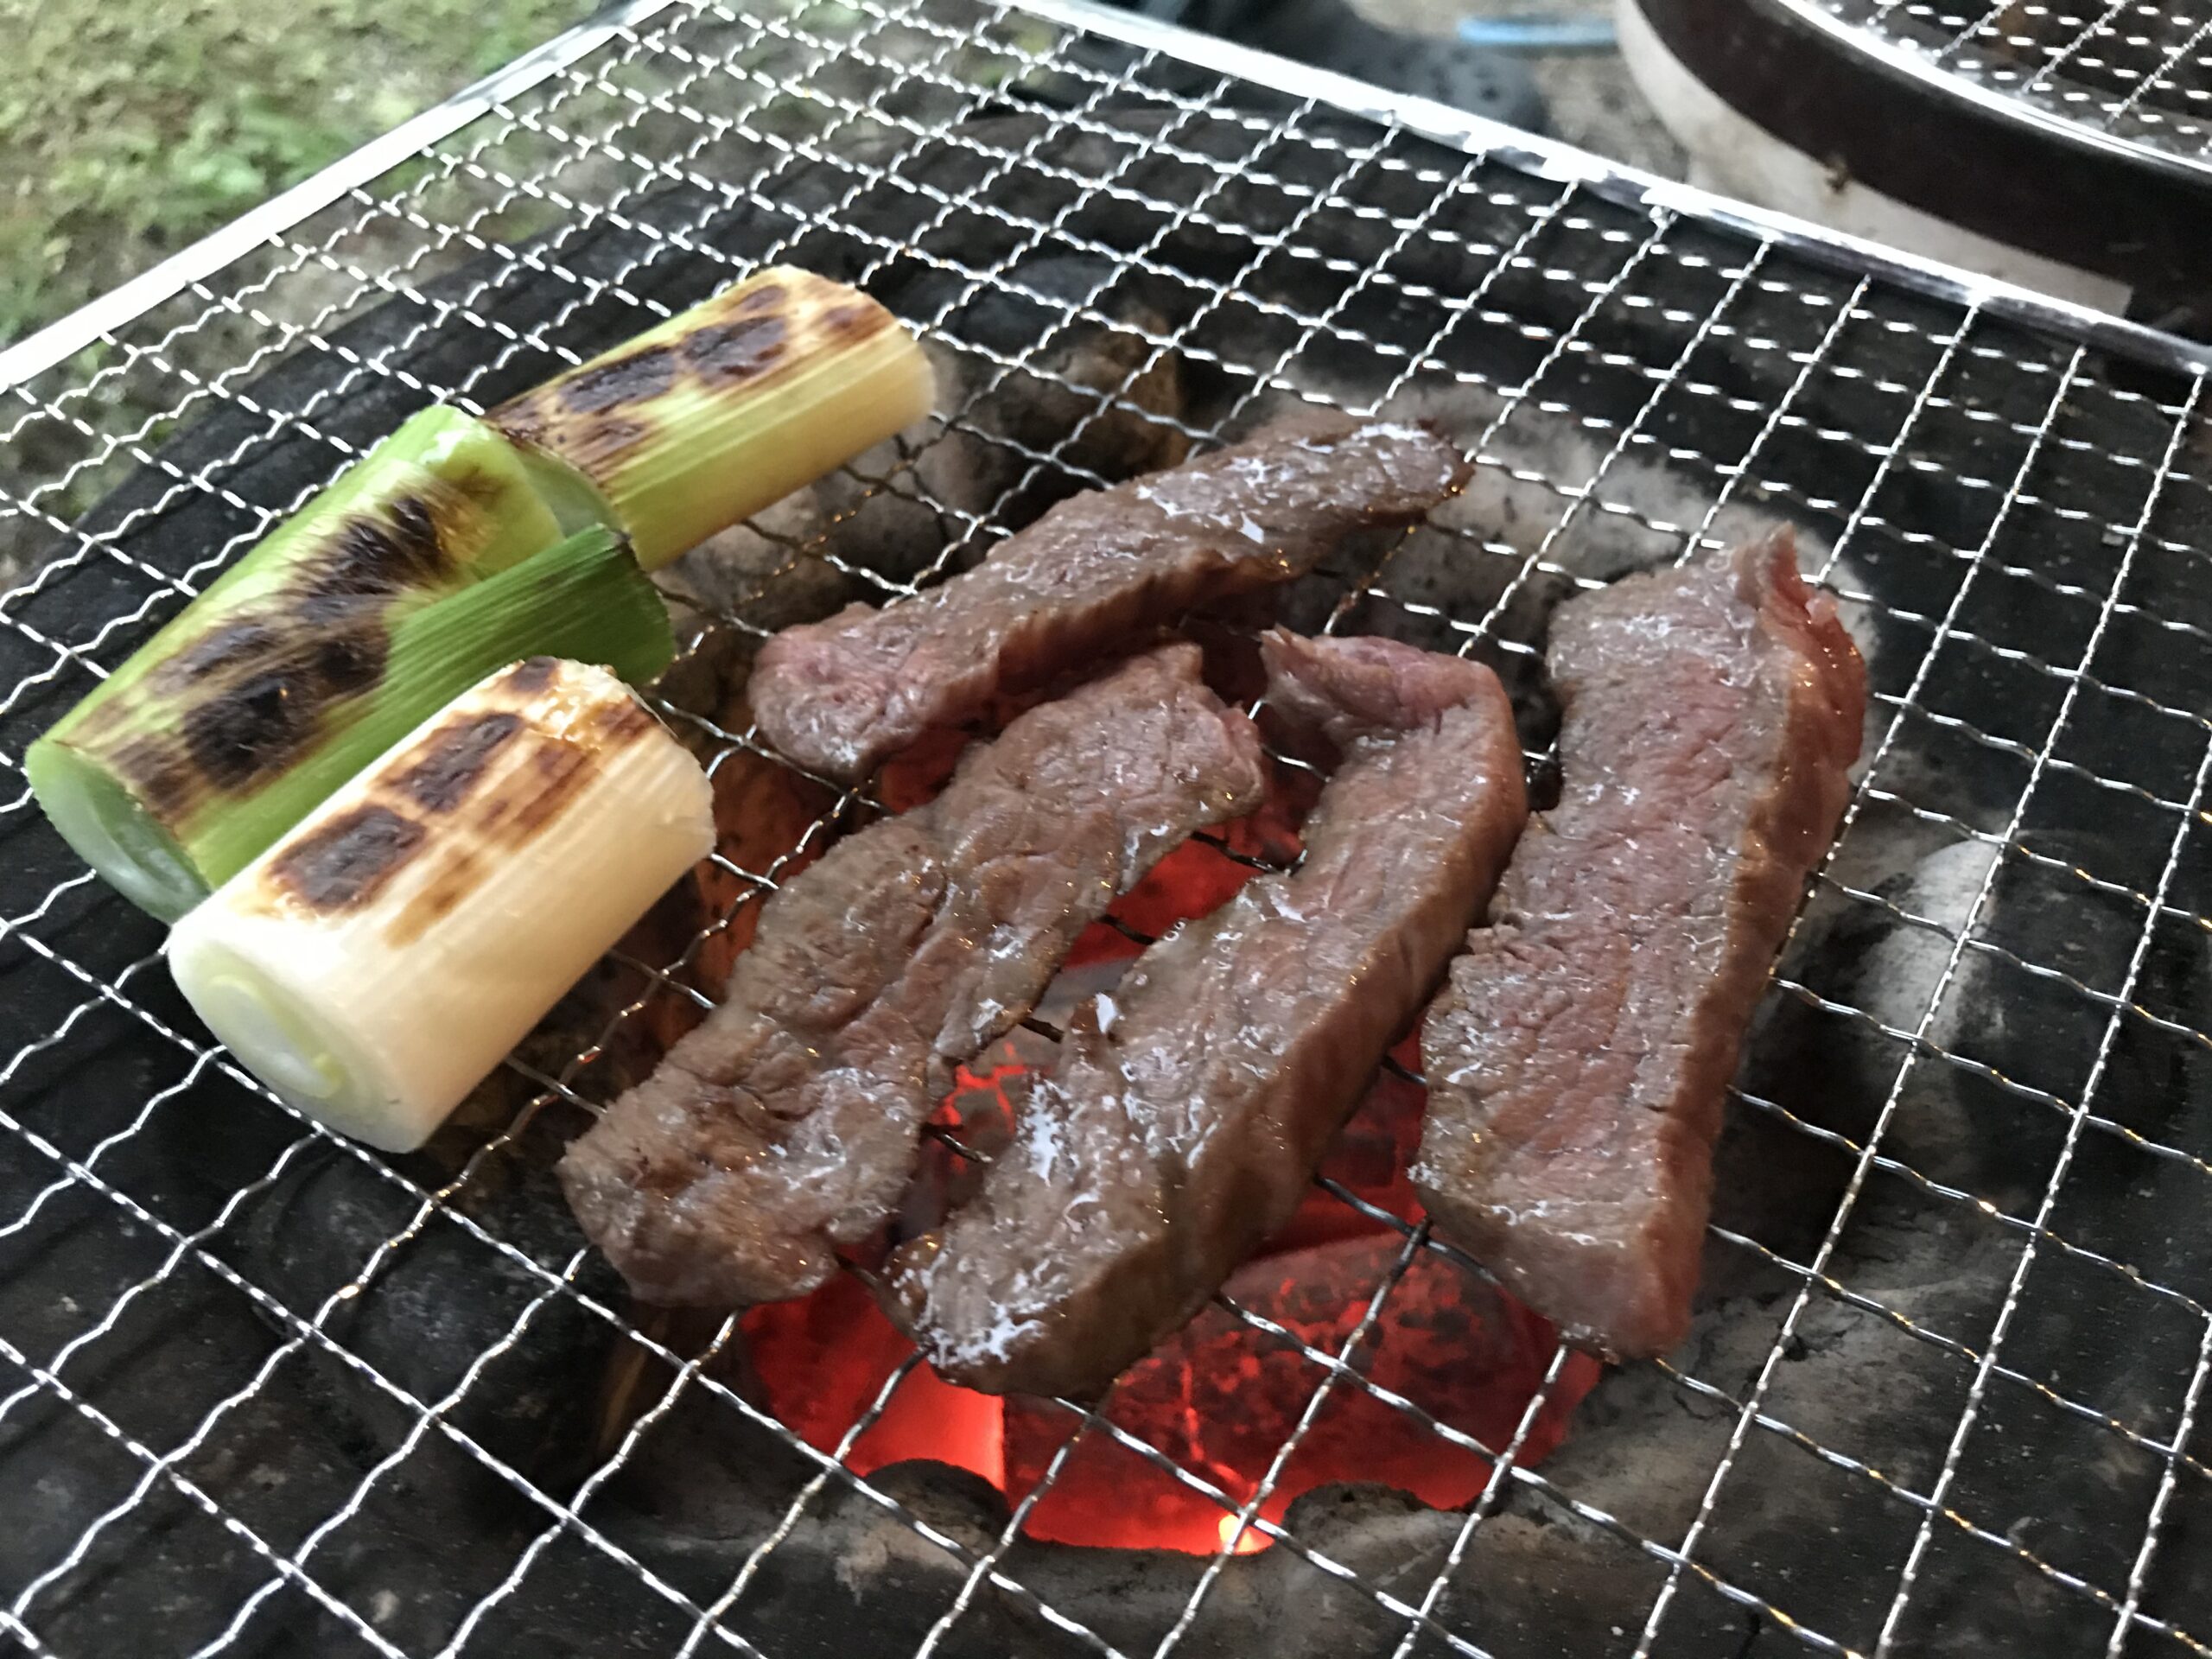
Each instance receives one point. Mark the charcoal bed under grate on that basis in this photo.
(263, 1392)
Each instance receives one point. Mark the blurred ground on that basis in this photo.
(129, 128)
(1593, 101)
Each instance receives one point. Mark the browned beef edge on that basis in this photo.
(840, 696)
(1187, 1111)
(1578, 1059)
(786, 1123)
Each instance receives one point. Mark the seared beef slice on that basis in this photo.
(1578, 1059)
(840, 696)
(1186, 1112)
(787, 1123)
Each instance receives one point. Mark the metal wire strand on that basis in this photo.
(1631, 372)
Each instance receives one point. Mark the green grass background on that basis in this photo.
(129, 128)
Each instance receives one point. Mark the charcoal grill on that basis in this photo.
(2132, 77)
(266, 1392)
(2061, 145)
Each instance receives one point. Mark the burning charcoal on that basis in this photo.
(1372, 1152)
(439, 1299)
(1222, 1396)
(1184, 1116)
(1446, 1340)
(820, 1364)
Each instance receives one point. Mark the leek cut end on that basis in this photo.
(583, 597)
(111, 830)
(218, 733)
(726, 408)
(306, 1060)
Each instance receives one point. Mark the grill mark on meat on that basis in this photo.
(840, 696)
(1578, 1059)
(788, 1122)
(1187, 1111)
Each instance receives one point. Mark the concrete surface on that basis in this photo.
(1593, 101)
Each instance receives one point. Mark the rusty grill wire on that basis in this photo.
(2126, 72)
(2015, 520)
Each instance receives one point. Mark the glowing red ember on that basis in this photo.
(822, 1362)
(1222, 1398)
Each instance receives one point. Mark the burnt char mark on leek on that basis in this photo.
(619, 725)
(558, 772)
(631, 380)
(730, 352)
(453, 882)
(148, 766)
(529, 797)
(532, 675)
(371, 555)
(471, 793)
(457, 755)
(349, 862)
(595, 415)
(540, 782)
(228, 646)
(257, 724)
(351, 660)
(606, 406)
(263, 687)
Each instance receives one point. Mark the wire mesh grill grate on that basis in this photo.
(2128, 73)
(265, 1392)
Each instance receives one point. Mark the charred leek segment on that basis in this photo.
(716, 413)
(375, 963)
(318, 648)
(185, 764)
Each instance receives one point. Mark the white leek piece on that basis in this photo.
(376, 962)
(707, 418)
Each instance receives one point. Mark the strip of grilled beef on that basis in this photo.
(787, 1123)
(1578, 1058)
(1187, 1111)
(840, 696)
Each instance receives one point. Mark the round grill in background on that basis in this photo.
(2063, 145)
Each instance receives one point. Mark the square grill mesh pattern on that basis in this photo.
(264, 1392)
(2130, 71)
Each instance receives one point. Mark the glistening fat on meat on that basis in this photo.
(1186, 1114)
(786, 1124)
(1578, 1060)
(840, 696)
